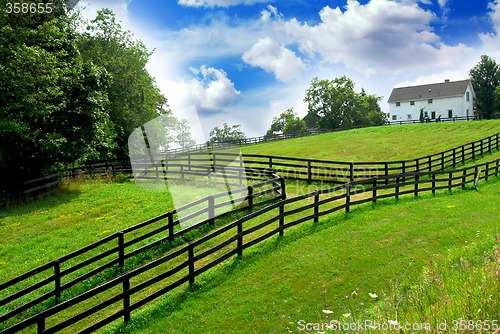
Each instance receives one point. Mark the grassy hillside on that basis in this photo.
(315, 267)
(384, 143)
(83, 212)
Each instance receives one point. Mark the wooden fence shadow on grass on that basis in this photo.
(192, 264)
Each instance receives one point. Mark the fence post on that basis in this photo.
(386, 172)
(211, 210)
(403, 169)
(442, 160)
(282, 219)
(347, 197)
(473, 151)
(250, 197)
(497, 140)
(454, 157)
(270, 162)
(351, 172)
(482, 147)
(486, 171)
(450, 178)
(430, 163)
(433, 176)
(464, 177)
(309, 176)
(40, 325)
(57, 280)
(489, 144)
(213, 162)
(283, 189)
(316, 206)
(170, 217)
(121, 250)
(191, 263)
(126, 298)
(417, 165)
(239, 245)
(397, 188)
(496, 167)
(374, 190)
(415, 189)
(463, 154)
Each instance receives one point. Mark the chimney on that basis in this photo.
(447, 80)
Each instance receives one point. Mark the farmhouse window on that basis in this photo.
(409, 116)
(398, 104)
(394, 117)
(412, 103)
(429, 101)
(467, 96)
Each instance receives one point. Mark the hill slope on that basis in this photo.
(383, 143)
(316, 266)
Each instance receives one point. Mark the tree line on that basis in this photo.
(71, 92)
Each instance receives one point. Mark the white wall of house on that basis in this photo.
(410, 110)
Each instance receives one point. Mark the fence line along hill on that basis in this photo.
(411, 177)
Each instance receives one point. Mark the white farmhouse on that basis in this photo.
(448, 99)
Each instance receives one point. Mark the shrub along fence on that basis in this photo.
(122, 295)
(81, 266)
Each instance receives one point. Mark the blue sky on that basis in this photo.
(246, 61)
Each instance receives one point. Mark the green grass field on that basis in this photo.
(380, 250)
(387, 143)
(83, 212)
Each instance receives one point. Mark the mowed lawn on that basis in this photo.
(317, 266)
(383, 143)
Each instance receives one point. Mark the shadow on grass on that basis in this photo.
(61, 195)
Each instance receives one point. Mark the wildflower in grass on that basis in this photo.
(327, 311)
(346, 315)
(450, 206)
(104, 232)
(373, 295)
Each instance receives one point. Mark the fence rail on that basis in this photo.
(187, 263)
(340, 172)
(115, 249)
(309, 132)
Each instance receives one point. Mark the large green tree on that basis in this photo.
(334, 104)
(485, 78)
(287, 122)
(51, 101)
(226, 133)
(134, 97)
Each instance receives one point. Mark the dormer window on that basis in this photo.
(429, 101)
(412, 103)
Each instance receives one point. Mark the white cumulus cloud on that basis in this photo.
(210, 90)
(275, 58)
(380, 36)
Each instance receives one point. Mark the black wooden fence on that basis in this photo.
(122, 295)
(88, 262)
(340, 172)
(309, 132)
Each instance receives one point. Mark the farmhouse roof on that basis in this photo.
(429, 91)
